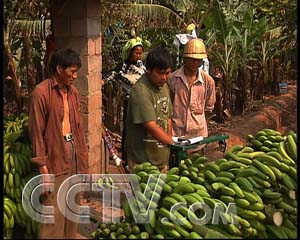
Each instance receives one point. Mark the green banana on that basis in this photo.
(209, 175)
(260, 215)
(284, 154)
(184, 188)
(261, 182)
(267, 193)
(225, 174)
(238, 191)
(243, 203)
(245, 213)
(212, 167)
(256, 224)
(266, 169)
(11, 180)
(244, 184)
(217, 185)
(249, 196)
(173, 171)
(227, 199)
(183, 220)
(190, 199)
(288, 182)
(235, 148)
(269, 160)
(291, 147)
(256, 206)
(220, 161)
(224, 180)
(168, 202)
(177, 197)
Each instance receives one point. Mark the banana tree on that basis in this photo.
(10, 73)
(277, 37)
(222, 54)
(245, 31)
(269, 38)
(23, 46)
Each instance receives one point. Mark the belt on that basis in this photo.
(68, 137)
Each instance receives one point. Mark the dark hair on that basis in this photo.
(159, 58)
(132, 49)
(65, 58)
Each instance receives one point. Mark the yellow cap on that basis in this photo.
(195, 48)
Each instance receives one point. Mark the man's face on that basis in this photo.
(67, 75)
(192, 64)
(159, 77)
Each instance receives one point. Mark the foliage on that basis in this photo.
(240, 36)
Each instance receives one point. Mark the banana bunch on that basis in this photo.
(226, 185)
(9, 213)
(143, 171)
(17, 164)
(31, 229)
(265, 140)
(167, 192)
(288, 147)
(17, 172)
(107, 182)
(17, 160)
(122, 230)
(15, 124)
(272, 178)
(261, 179)
(147, 197)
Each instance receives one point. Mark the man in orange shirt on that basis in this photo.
(57, 136)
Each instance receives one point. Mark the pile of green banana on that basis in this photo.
(106, 182)
(259, 179)
(122, 230)
(17, 172)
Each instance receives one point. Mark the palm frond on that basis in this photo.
(152, 12)
(31, 27)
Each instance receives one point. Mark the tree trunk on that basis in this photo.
(242, 92)
(12, 73)
(226, 100)
(253, 81)
(259, 88)
(29, 64)
(275, 82)
(219, 101)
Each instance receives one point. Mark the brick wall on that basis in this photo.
(77, 25)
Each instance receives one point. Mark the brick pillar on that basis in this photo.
(77, 25)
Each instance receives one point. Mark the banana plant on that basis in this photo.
(269, 38)
(245, 31)
(222, 52)
(19, 38)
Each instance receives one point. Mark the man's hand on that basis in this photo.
(46, 180)
(158, 133)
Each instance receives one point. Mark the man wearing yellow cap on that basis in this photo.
(192, 92)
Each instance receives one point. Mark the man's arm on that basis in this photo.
(158, 133)
(211, 95)
(36, 126)
(170, 128)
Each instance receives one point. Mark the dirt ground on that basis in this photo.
(277, 112)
